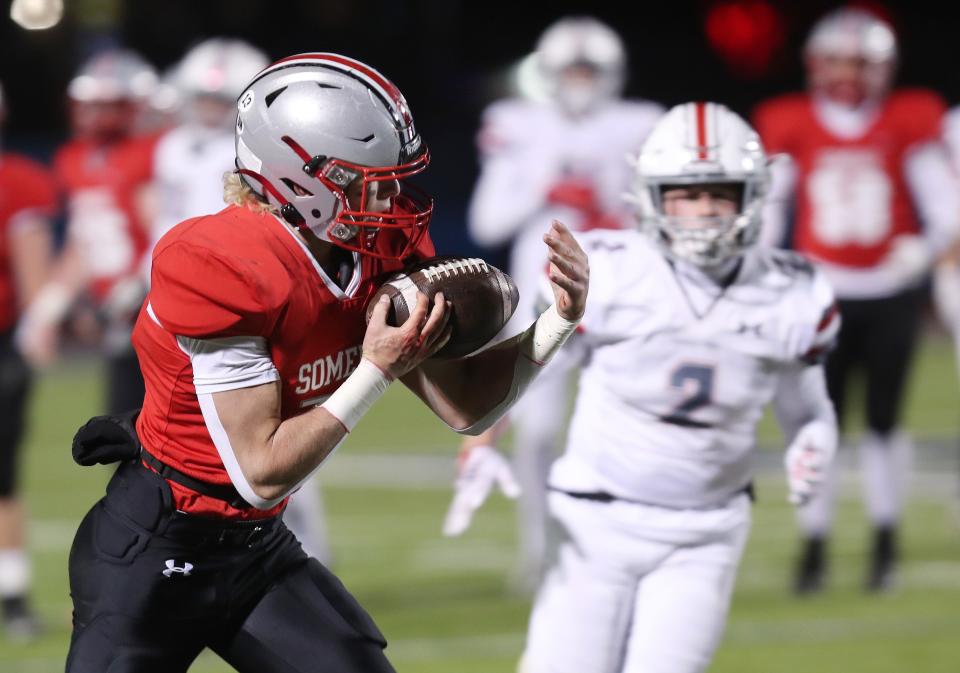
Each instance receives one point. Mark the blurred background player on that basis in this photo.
(946, 278)
(557, 156)
(104, 170)
(690, 331)
(867, 169)
(27, 204)
(189, 164)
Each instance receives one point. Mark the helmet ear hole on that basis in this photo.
(297, 189)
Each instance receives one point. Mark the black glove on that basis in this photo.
(107, 439)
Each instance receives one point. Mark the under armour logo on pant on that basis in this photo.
(172, 568)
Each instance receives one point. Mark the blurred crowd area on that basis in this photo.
(451, 59)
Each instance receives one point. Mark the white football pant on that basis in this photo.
(636, 588)
(305, 518)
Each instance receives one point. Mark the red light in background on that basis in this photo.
(747, 34)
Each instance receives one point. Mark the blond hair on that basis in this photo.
(236, 192)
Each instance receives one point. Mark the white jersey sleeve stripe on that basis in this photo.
(227, 455)
(229, 363)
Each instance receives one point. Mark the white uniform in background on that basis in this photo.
(946, 278)
(689, 332)
(190, 163)
(561, 158)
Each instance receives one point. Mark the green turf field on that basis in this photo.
(445, 604)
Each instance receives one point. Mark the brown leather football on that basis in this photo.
(483, 299)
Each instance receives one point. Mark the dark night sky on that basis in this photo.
(442, 54)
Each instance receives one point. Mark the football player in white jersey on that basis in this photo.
(946, 278)
(191, 159)
(559, 157)
(189, 165)
(689, 331)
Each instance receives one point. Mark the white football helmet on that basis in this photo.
(853, 33)
(309, 126)
(219, 67)
(582, 62)
(113, 75)
(700, 144)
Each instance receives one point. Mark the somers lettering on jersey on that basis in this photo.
(324, 371)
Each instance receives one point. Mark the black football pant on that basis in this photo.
(878, 336)
(152, 588)
(14, 392)
(125, 387)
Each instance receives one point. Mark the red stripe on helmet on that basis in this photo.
(388, 87)
(701, 115)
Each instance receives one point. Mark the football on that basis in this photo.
(483, 299)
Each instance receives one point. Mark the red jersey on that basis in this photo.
(852, 198)
(101, 184)
(25, 187)
(243, 274)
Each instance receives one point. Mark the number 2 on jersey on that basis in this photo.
(697, 381)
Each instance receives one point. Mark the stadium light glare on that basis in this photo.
(36, 14)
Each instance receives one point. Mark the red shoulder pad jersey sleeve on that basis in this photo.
(920, 114)
(35, 188)
(196, 293)
(775, 121)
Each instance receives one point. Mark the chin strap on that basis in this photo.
(287, 210)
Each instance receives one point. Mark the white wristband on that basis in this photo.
(537, 345)
(357, 393)
(50, 304)
(550, 332)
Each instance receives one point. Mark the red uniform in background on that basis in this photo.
(25, 188)
(852, 197)
(875, 201)
(101, 183)
(252, 280)
(27, 202)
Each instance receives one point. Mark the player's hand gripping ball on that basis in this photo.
(482, 297)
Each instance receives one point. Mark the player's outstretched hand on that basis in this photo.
(569, 271)
(397, 350)
(481, 469)
(807, 461)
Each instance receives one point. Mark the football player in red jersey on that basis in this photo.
(104, 172)
(258, 363)
(27, 202)
(874, 202)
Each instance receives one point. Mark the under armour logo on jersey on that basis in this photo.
(173, 568)
(756, 330)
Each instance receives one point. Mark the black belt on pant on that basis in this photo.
(200, 532)
(603, 496)
(225, 492)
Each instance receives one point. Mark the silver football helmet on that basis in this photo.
(310, 125)
(701, 144)
(588, 47)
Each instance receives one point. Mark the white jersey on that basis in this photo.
(189, 164)
(676, 371)
(530, 150)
